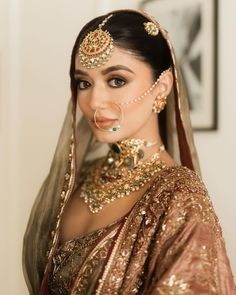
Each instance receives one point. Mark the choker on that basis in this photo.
(124, 155)
(120, 173)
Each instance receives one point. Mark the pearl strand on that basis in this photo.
(139, 98)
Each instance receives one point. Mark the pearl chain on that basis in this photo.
(139, 98)
(105, 21)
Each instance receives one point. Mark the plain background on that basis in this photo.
(36, 38)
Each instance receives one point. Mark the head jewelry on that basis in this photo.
(97, 47)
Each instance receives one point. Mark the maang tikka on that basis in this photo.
(97, 47)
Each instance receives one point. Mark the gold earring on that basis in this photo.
(159, 104)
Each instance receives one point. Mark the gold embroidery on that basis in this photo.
(65, 194)
(174, 286)
(93, 261)
(68, 259)
(201, 277)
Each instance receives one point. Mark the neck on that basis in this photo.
(150, 132)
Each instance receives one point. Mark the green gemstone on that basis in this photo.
(140, 154)
(129, 162)
(116, 148)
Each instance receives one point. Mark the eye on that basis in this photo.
(117, 82)
(82, 84)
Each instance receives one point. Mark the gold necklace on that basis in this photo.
(108, 180)
(123, 156)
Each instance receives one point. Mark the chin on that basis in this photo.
(108, 137)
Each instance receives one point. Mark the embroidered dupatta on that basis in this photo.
(76, 145)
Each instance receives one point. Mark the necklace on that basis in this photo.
(120, 173)
(123, 156)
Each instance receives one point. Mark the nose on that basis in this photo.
(98, 97)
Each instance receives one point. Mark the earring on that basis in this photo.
(159, 104)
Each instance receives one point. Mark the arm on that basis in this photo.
(190, 255)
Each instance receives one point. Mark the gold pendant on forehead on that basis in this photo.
(96, 48)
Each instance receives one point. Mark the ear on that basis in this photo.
(165, 84)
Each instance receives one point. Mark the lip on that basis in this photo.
(104, 122)
(104, 119)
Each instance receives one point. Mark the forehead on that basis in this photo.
(119, 56)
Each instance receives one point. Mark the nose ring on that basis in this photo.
(108, 118)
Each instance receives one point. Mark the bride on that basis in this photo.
(123, 209)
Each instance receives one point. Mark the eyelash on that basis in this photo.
(123, 81)
(79, 81)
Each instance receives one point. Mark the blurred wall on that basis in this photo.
(36, 38)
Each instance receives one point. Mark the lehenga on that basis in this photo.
(169, 243)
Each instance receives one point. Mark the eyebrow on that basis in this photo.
(107, 70)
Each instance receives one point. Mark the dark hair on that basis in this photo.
(127, 31)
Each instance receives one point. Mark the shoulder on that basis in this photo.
(183, 196)
(180, 179)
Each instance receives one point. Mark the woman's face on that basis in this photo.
(123, 78)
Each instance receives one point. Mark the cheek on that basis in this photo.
(82, 105)
(138, 113)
